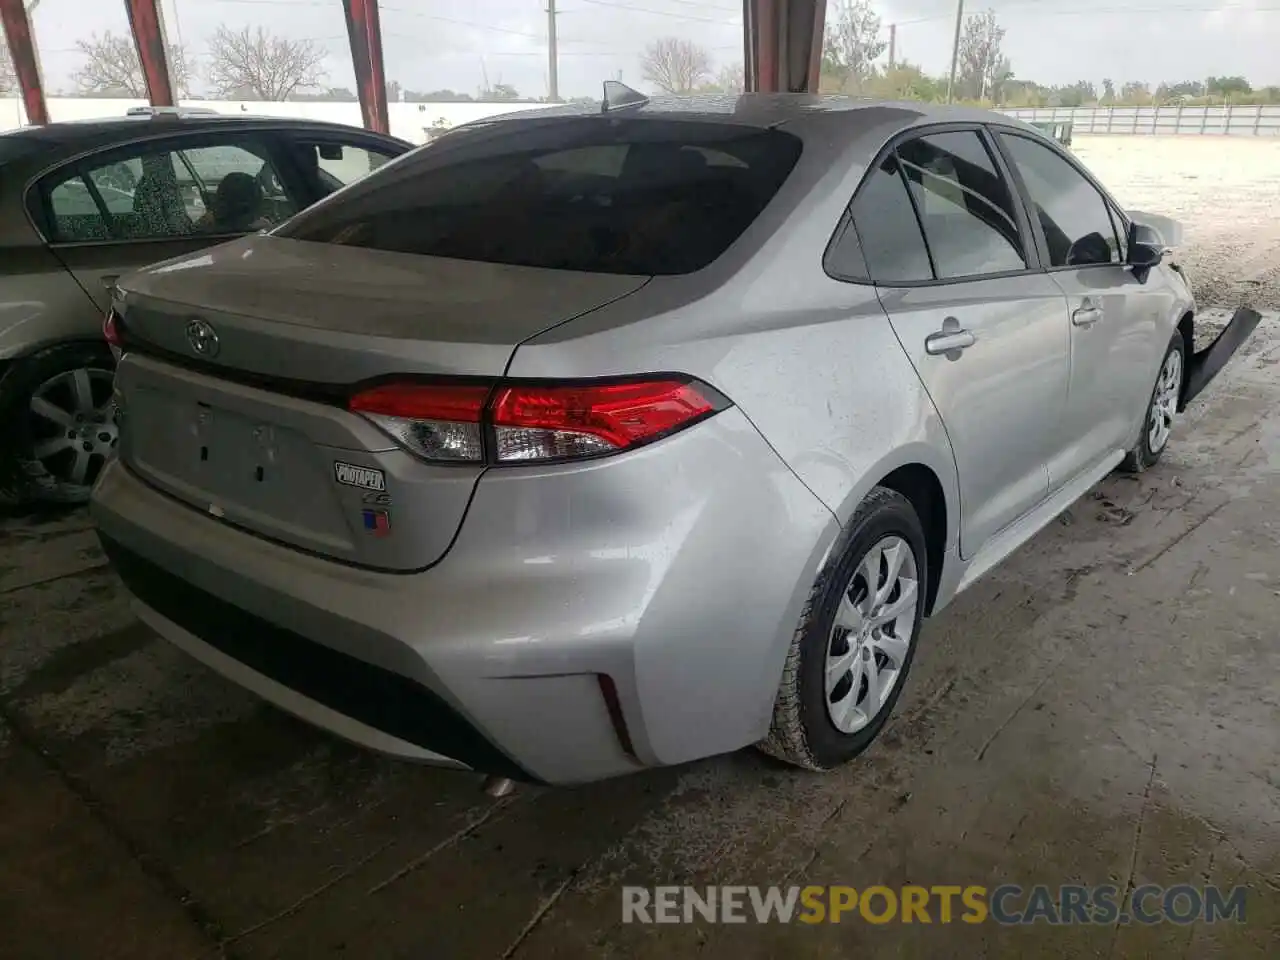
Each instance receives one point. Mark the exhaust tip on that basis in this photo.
(499, 787)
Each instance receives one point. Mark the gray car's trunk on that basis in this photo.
(251, 430)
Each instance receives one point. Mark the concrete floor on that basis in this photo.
(1104, 708)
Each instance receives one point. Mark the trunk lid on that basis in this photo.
(237, 361)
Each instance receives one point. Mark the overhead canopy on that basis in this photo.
(782, 47)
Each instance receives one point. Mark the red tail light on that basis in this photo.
(553, 422)
(533, 422)
(433, 421)
(111, 329)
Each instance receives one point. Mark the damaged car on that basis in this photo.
(591, 441)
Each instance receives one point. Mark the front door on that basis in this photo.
(986, 331)
(1115, 319)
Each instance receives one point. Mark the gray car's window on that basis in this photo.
(158, 193)
(892, 244)
(597, 194)
(1077, 224)
(965, 206)
(334, 165)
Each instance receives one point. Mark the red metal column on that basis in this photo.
(365, 34)
(148, 37)
(22, 50)
(783, 52)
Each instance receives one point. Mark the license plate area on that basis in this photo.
(255, 473)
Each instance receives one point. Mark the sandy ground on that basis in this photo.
(1103, 708)
(1226, 192)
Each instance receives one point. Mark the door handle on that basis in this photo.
(1087, 314)
(950, 341)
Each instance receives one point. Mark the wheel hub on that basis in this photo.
(872, 634)
(1164, 402)
(72, 425)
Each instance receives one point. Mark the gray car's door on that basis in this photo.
(1115, 318)
(125, 208)
(985, 329)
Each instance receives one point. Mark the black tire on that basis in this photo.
(23, 478)
(1143, 455)
(802, 732)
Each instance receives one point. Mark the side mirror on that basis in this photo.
(1146, 249)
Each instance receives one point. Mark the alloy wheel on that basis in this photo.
(1164, 404)
(72, 425)
(872, 634)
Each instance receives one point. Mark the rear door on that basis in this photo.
(985, 328)
(124, 208)
(1115, 318)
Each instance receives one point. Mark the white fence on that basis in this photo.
(409, 121)
(1248, 121)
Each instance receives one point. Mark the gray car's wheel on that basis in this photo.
(1161, 409)
(57, 423)
(854, 645)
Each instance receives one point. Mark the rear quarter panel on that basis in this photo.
(41, 303)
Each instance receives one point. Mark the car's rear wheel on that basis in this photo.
(854, 645)
(1162, 408)
(57, 423)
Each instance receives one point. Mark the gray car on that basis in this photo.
(83, 202)
(582, 443)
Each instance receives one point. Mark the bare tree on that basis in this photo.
(111, 67)
(981, 65)
(852, 43)
(674, 65)
(728, 79)
(248, 64)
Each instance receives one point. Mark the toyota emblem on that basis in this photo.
(203, 338)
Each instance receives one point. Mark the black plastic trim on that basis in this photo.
(369, 694)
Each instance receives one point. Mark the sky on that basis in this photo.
(465, 44)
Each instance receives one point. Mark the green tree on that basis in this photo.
(851, 45)
(981, 66)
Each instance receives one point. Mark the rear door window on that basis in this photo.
(169, 191)
(965, 205)
(598, 194)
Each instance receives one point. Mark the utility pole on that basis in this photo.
(553, 79)
(893, 44)
(955, 50)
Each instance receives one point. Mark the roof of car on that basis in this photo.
(760, 109)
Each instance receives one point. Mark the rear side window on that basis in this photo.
(965, 206)
(892, 244)
(598, 194)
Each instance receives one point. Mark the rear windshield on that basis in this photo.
(598, 194)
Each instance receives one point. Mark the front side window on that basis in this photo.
(965, 206)
(1075, 217)
(334, 165)
(596, 194)
(157, 193)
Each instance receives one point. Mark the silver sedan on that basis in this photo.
(584, 442)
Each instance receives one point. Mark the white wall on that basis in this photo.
(409, 121)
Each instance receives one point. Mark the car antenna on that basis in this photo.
(618, 94)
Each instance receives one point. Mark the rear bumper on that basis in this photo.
(680, 587)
